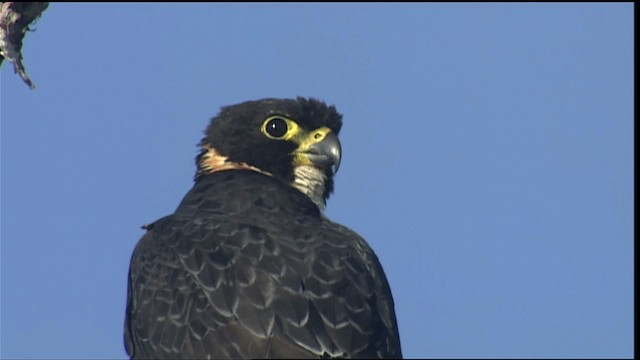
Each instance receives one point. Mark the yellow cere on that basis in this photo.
(295, 133)
(312, 137)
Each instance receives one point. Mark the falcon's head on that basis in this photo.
(295, 140)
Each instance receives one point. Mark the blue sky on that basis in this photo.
(487, 158)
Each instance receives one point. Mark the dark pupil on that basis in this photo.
(277, 127)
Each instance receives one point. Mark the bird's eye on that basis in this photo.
(279, 127)
(276, 127)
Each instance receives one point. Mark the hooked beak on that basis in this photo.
(320, 149)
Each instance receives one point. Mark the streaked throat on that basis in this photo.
(311, 181)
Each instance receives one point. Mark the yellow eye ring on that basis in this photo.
(278, 127)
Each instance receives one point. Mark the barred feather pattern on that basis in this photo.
(248, 267)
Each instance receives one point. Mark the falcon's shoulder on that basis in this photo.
(263, 276)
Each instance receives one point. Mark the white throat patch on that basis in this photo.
(310, 180)
(307, 179)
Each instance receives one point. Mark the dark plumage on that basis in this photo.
(248, 266)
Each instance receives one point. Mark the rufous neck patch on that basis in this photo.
(212, 161)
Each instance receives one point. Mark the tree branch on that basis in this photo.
(15, 18)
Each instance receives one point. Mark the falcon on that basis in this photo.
(248, 266)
